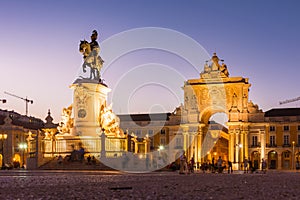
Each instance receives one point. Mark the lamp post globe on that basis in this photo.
(23, 146)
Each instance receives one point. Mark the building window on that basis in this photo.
(298, 128)
(298, 140)
(254, 141)
(178, 142)
(162, 141)
(162, 131)
(286, 154)
(150, 133)
(138, 133)
(272, 128)
(286, 140)
(286, 128)
(152, 143)
(272, 140)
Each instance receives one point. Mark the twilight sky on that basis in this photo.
(39, 55)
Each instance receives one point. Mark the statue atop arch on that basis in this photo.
(91, 57)
(212, 68)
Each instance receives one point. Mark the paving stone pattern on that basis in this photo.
(45, 184)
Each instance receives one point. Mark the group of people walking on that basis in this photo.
(248, 166)
(219, 166)
(186, 166)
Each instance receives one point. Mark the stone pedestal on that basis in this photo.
(88, 97)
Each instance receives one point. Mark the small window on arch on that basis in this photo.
(286, 128)
(272, 128)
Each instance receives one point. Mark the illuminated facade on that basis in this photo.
(249, 132)
(18, 129)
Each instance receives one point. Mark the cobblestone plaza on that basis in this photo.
(22, 184)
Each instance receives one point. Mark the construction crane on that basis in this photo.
(289, 100)
(24, 99)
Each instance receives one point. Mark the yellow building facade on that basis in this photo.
(250, 133)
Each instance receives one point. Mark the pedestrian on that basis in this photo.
(263, 166)
(94, 160)
(251, 168)
(229, 167)
(89, 159)
(245, 165)
(182, 163)
(186, 169)
(297, 164)
(192, 163)
(147, 161)
(213, 165)
(219, 165)
(59, 160)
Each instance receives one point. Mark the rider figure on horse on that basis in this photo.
(94, 47)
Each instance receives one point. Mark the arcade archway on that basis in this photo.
(273, 160)
(286, 158)
(255, 158)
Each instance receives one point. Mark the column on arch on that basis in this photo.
(185, 139)
(231, 146)
(262, 144)
(196, 148)
(242, 147)
(246, 134)
(238, 148)
(199, 143)
(192, 143)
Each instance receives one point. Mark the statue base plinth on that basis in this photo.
(88, 97)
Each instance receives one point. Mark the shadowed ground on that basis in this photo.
(158, 185)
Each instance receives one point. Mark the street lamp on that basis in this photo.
(3, 137)
(23, 146)
(293, 158)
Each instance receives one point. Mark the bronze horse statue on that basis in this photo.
(91, 59)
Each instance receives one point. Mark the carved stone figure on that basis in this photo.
(224, 69)
(245, 101)
(67, 121)
(215, 62)
(207, 68)
(109, 122)
(214, 69)
(234, 100)
(194, 103)
(186, 101)
(91, 56)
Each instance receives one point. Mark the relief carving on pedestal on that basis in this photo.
(81, 96)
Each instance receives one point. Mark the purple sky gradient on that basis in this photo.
(39, 40)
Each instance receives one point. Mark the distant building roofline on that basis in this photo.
(144, 117)
(281, 112)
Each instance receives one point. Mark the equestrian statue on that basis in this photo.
(91, 56)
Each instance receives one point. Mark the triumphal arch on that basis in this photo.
(216, 92)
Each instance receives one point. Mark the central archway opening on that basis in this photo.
(216, 140)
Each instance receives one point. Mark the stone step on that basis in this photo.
(74, 165)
